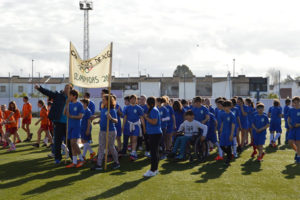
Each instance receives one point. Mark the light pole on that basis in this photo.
(32, 77)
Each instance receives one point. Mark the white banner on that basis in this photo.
(91, 73)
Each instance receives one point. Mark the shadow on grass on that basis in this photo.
(291, 171)
(271, 149)
(284, 147)
(118, 189)
(250, 166)
(84, 174)
(211, 170)
(128, 166)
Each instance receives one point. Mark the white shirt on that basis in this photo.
(191, 128)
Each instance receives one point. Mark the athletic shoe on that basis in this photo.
(129, 147)
(12, 148)
(57, 161)
(156, 172)
(219, 158)
(92, 155)
(36, 145)
(116, 166)
(274, 145)
(30, 137)
(96, 167)
(72, 165)
(18, 141)
(44, 145)
(147, 154)
(253, 154)
(133, 157)
(51, 155)
(5, 144)
(149, 173)
(259, 159)
(236, 155)
(80, 164)
(26, 140)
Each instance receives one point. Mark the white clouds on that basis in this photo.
(259, 34)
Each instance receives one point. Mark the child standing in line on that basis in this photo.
(275, 113)
(219, 112)
(235, 111)
(86, 128)
(200, 111)
(12, 106)
(260, 123)
(209, 106)
(212, 133)
(179, 112)
(10, 127)
(113, 120)
(125, 132)
(119, 124)
(243, 111)
(171, 124)
(74, 111)
(228, 122)
(133, 118)
(286, 115)
(27, 116)
(294, 125)
(164, 117)
(44, 124)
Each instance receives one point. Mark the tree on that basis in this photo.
(183, 71)
(288, 79)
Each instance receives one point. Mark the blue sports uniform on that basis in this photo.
(164, 117)
(145, 108)
(251, 111)
(227, 120)
(103, 119)
(74, 124)
(84, 124)
(92, 107)
(200, 113)
(244, 118)
(211, 133)
(133, 114)
(235, 111)
(211, 109)
(260, 121)
(119, 124)
(170, 122)
(294, 115)
(179, 118)
(286, 115)
(154, 129)
(275, 123)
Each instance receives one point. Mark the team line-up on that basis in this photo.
(165, 126)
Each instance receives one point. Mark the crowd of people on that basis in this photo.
(162, 127)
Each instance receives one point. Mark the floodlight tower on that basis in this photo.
(86, 6)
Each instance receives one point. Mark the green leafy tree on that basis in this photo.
(272, 96)
(183, 71)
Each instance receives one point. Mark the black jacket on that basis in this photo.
(59, 101)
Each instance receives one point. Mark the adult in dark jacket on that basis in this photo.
(57, 117)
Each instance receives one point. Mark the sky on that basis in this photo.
(153, 37)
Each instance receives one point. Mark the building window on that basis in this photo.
(53, 88)
(3, 88)
(20, 88)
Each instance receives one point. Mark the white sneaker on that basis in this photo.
(51, 155)
(156, 172)
(147, 154)
(149, 173)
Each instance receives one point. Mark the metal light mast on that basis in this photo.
(86, 6)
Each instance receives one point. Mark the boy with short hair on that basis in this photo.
(260, 123)
(74, 112)
(189, 127)
(200, 111)
(27, 116)
(294, 125)
(85, 129)
(228, 121)
(275, 113)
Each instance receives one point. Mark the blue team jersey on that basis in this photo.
(103, 119)
(286, 112)
(163, 114)
(92, 107)
(200, 113)
(211, 109)
(244, 118)
(275, 112)
(260, 121)
(154, 129)
(251, 110)
(294, 115)
(145, 108)
(133, 113)
(218, 116)
(227, 120)
(187, 107)
(211, 123)
(170, 112)
(75, 109)
(84, 121)
(179, 118)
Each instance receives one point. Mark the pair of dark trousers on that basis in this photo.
(154, 141)
(59, 137)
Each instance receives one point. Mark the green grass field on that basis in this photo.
(29, 174)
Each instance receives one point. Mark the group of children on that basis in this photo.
(232, 125)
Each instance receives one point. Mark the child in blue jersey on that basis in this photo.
(107, 118)
(126, 131)
(243, 110)
(133, 119)
(228, 122)
(119, 124)
(251, 110)
(171, 124)
(91, 105)
(209, 106)
(275, 113)
(260, 123)
(212, 134)
(85, 129)
(286, 115)
(164, 117)
(185, 105)
(143, 104)
(154, 132)
(74, 112)
(236, 113)
(219, 112)
(189, 127)
(294, 124)
(179, 113)
(200, 111)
